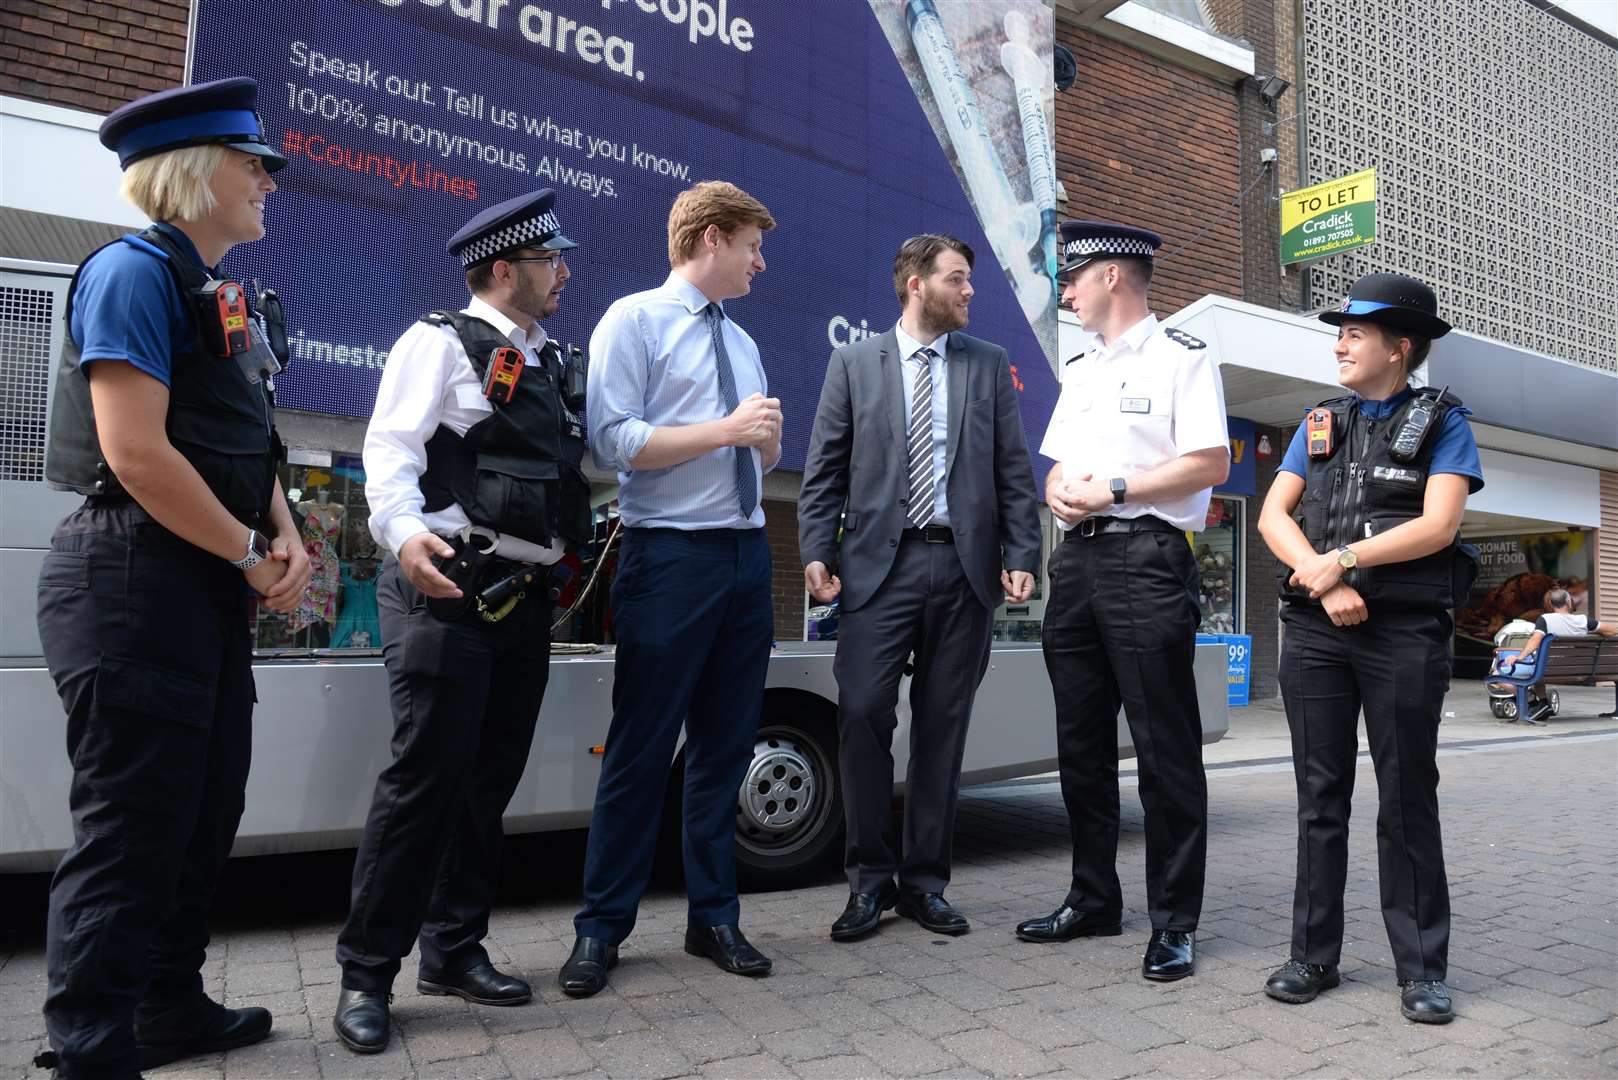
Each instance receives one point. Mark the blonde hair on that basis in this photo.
(712, 202)
(174, 185)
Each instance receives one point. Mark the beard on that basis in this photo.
(938, 313)
(527, 298)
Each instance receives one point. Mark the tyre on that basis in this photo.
(789, 809)
(1508, 709)
(1498, 708)
(1556, 702)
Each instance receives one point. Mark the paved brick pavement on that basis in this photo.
(1533, 857)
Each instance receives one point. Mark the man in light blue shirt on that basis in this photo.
(676, 404)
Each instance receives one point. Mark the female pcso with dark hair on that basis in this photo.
(164, 420)
(1364, 517)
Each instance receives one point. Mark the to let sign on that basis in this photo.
(1328, 218)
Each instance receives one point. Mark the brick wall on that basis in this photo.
(786, 588)
(1142, 141)
(88, 55)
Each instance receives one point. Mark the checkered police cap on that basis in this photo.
(526, 221)
(1086, 240)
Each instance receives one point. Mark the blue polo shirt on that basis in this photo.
(1455, 452)
(127, 308)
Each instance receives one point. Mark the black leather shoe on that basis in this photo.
(483, 985)
(362, 1020)
(585, 972)
(726, 946)
(1170, 955)
(1426, 1001)
(1065, 924)
(202, 1026)
(863, 912)
(933, 912)
(1296, 982)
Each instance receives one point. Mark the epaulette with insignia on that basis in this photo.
(1175, 334)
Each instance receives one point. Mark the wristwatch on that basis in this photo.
(1347, 557)
(258, 549)
(1119, 489)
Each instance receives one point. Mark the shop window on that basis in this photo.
(1218, 550)
(338, 609)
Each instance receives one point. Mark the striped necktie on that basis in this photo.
(742, 456)
(921, 441)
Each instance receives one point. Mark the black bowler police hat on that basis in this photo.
(222, 112)
(1086, 240)
(528, 221)
(1394, 301)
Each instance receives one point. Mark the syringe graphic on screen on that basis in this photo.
(1028, 73)
(1011, 226)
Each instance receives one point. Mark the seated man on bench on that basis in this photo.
(1558, 621)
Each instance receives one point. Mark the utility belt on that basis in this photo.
(1090, 527)
(490, 585)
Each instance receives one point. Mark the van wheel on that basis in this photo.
(789, 810)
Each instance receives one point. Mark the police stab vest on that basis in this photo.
(221, 414)
(518, 470)
(1359, 491)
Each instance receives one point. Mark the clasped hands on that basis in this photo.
(755, 422)
(1074, 498)
(1322, 575)
(280, 579)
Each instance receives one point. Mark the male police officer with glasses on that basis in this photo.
(472, 463)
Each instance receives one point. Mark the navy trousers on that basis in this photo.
(693, 619)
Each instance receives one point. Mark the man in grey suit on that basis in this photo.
(918, 454)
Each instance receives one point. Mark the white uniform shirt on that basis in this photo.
(1132, 405)
(428, 382)
(908, 370)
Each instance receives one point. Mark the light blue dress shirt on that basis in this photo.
(651, 366)
(907, 349)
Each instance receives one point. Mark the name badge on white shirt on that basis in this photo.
(1135, 404)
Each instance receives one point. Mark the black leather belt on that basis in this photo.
(931, 534)
(1102, 526)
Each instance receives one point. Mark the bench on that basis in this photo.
(1565, 661)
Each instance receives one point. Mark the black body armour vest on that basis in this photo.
(221, 414)
(1359, 491)
(518, 470)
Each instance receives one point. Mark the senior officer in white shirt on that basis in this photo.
(475, 485)
(1139, 440)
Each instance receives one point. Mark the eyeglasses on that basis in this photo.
(552, 260)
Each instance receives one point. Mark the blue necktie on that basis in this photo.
(746, 478)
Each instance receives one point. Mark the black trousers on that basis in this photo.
(1120, 628)
(927, 608)
(1395, 667)
(693, 618)
(465, 699)
(146, 638)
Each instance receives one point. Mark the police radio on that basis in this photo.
(273, 319)
(1319, 433)
(1413, 429)
(575, 373)
(500, 379)
(222, 314)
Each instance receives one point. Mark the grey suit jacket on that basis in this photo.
(858, 463)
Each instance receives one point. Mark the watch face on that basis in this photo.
(261, 545)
